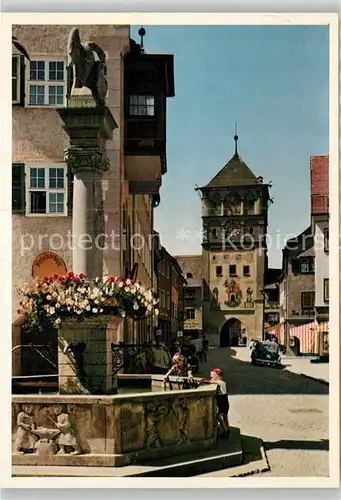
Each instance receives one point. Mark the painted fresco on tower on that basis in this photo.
(233, 292)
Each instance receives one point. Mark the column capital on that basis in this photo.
(91, 159)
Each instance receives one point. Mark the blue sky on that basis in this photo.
(272, 80)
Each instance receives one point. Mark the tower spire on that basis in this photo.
(235, 140)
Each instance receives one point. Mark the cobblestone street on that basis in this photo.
(287, 410)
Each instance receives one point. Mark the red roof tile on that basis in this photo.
(319, 183)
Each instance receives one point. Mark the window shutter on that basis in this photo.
(18, 189)
(22, 80)
(69, 190)
(295, 266)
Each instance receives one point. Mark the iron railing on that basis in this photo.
(38, 359)
(129, 357)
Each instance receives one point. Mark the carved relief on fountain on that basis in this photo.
(47, 432)
(163, 415)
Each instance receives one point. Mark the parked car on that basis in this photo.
(265, 353)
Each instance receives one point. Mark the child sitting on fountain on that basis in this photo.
(179, 366)
(222, 398)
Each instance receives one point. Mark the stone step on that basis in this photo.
(228, 453)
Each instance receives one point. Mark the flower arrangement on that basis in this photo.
(48, 301)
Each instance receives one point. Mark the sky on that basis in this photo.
(274, 82)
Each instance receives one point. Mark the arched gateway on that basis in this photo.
(230, 333)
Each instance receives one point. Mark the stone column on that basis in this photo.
(85, 356)
(88, 127)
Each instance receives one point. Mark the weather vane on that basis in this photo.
(236, 139)
(142, 33)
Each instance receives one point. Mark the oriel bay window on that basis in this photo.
(46, 190)
(141, 105)
(46, 83)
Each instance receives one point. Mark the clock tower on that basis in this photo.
(234, 253)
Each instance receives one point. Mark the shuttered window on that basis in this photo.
(70, 191)
(18, 189)
(307, 300)
(18, 79)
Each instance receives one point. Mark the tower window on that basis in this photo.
(233, 270)
(249, 204)
(232, 298)
(219, 270)
(246, 270)
(189, 275)
(214, 233)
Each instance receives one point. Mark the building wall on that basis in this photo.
(164, 293)
(196, 323)
(178, 287)
(291, 288)
(192, 266)
(321, 261)
(217, 309)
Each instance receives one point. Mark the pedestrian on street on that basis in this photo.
(158, 356)
(223, 405)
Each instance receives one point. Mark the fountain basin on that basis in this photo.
(117, 430)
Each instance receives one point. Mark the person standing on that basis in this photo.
(223, 405)
(158, 356)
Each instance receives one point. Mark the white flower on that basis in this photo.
(79, 312)
(149, 308)
(101, 310)
(128, 281)
(156, 311)
(135, 306)
(48, 297)
(52, 310)
(94, 310)
(57, 305)
(88, 308)
(58, 321)
(120, 284)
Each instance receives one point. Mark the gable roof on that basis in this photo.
(234, 173)
(192, 265)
